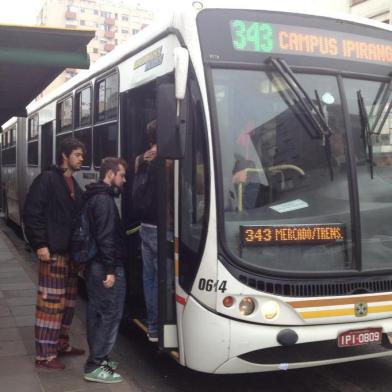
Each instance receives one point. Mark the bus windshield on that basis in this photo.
(285, 185)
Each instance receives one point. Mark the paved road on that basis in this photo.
(146, 370)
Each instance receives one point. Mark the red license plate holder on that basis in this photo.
(360, 337)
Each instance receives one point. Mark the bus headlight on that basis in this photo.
(247, 306)
(270, 310)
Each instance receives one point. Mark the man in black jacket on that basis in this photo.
(105, 278)
(52, 205)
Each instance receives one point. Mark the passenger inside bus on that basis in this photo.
(145, 201)
(285, 152)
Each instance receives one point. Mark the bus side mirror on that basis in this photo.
(170, 143)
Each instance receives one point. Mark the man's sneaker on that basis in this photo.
(110, 363)
(104, 374)
(53, 364)
(152, 336)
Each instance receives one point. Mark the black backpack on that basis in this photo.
(83, 245)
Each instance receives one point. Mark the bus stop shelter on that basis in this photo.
(31, 57)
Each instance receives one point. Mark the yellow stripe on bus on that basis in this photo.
(327, 313)
(343, 312)
(340, 301)
(380, 309)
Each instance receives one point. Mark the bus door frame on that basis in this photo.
(167, 237)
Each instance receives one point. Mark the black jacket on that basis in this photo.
(106, 225)
(146, 207)
(50, 212)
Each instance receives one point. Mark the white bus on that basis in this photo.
(277, 126)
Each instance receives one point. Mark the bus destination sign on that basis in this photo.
(288, 235)
(275, 38)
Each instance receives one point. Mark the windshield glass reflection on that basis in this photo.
(279, 170)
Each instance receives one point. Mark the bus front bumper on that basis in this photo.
(216, 344)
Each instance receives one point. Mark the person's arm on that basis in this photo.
(34, 215)
(105, 231)
(145, 158)
(138, 162)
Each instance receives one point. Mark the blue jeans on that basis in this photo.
(104, 312)
(149, 236)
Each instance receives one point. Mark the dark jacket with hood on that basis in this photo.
(106, 225)
(50, 212)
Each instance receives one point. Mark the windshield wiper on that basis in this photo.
(315, 114)
(366, 133)
(310, 109)
(386, 101)
(327, 140)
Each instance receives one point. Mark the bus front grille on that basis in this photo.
(319, 288)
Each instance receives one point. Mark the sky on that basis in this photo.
(25, 11)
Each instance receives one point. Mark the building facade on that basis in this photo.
(114, 22)
(380, 10)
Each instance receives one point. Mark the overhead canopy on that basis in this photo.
(31, 57)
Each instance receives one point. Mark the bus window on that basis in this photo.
(64, 115)
(60, 138)
(85, 136)
(106, 98)
(83, 108)
(13, 137)
(9, 150)
(105, 142)
(46, 145)
(289, 176)
(32, 153)
(374, 190)
(32, 141)
(32, 133)
(193, 193)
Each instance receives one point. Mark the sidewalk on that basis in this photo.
(18, 276)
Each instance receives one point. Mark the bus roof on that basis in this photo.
(177, 19)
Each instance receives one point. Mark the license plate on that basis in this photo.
(360, 337)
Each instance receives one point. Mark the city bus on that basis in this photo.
(275, 185)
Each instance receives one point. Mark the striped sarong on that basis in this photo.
(57, 289)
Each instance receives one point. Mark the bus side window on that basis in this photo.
(105, 133)
(193, 190)
(32, 141)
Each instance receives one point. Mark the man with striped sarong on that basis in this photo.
(52, 206)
